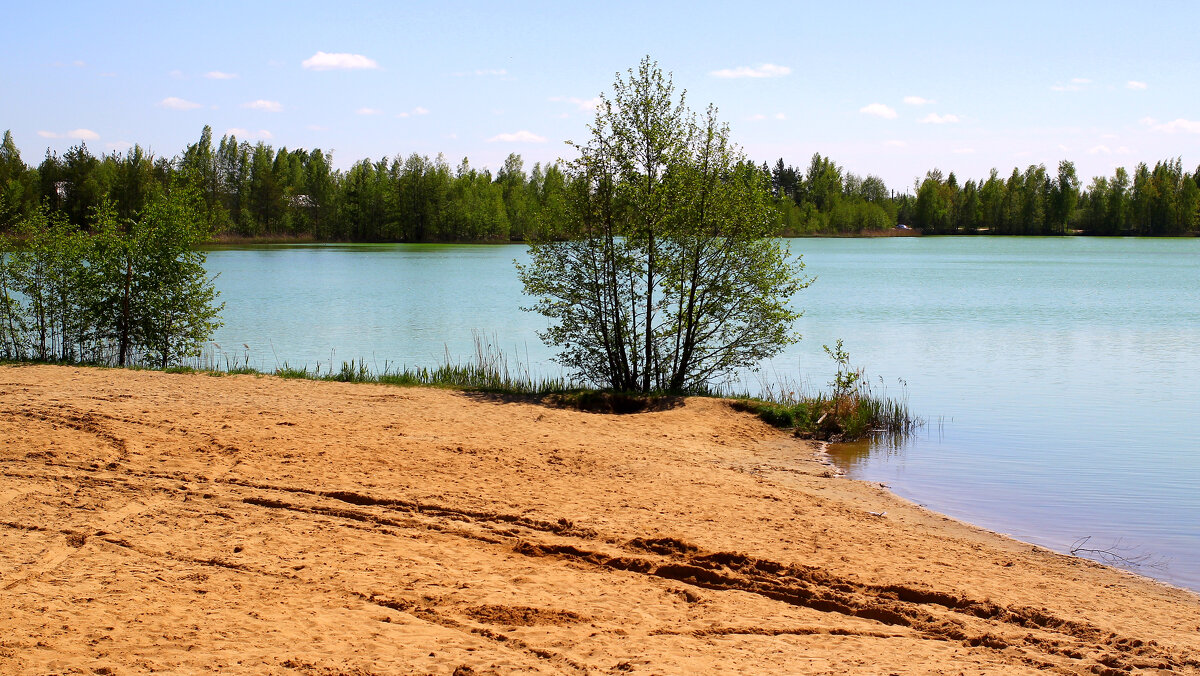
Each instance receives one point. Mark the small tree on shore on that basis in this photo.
(671, 277)
(156, 299)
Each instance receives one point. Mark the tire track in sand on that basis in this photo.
(1045, 641)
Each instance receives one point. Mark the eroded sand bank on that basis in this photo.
(247, 524)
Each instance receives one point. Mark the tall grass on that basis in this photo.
(860, 413)
(488, 371)
(852, 410)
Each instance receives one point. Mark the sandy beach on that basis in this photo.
(188, 523)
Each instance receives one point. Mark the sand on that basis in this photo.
(242, 524)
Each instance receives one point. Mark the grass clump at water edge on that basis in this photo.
(853, 410)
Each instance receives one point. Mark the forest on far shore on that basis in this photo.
(260, 192)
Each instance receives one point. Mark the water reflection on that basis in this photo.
(852, 457)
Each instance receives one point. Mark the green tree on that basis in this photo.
(1064, 197)
(154, 299)
(18, 184)
(511, 178)
(199, 167)
(266, 194)
(934, 213)
(669, 277)
(46, 272)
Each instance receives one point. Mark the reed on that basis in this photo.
(861, 411)
(489, 370)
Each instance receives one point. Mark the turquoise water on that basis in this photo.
(1060, 377)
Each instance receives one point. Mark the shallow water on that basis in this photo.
(1060, 377)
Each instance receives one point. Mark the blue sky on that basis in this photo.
(892, 89)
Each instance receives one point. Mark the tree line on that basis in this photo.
(1151, 202)
(1163, 201)
(257, 191)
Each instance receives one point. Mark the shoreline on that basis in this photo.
(1034, 546)
(227, 240)
(827, 458)
(420, 530)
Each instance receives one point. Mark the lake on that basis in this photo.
(1060, 377)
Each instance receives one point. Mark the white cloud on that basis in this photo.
(81, 135)
(1099, 150)
(264, 105)
(763, 70)
(585, 104)
(918, 101)
(934, 118)
(522, 136)
(757, 117)
(369, 111)
(895, 143)
(78, 64)
(177, 74)
(1134, 84)
(338, 61)
(780, 116)
(1179, 124)
(879, 110)
(1063, 148)
(218, 75)
(1123, 150)
(1077, 84)
(415, 111)
(176, 103)
(963, 151)
(581, 104)
(245, 134)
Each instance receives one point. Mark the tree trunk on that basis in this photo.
(649, 313)
(123, 321)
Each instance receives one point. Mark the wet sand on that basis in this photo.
(242, 524)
